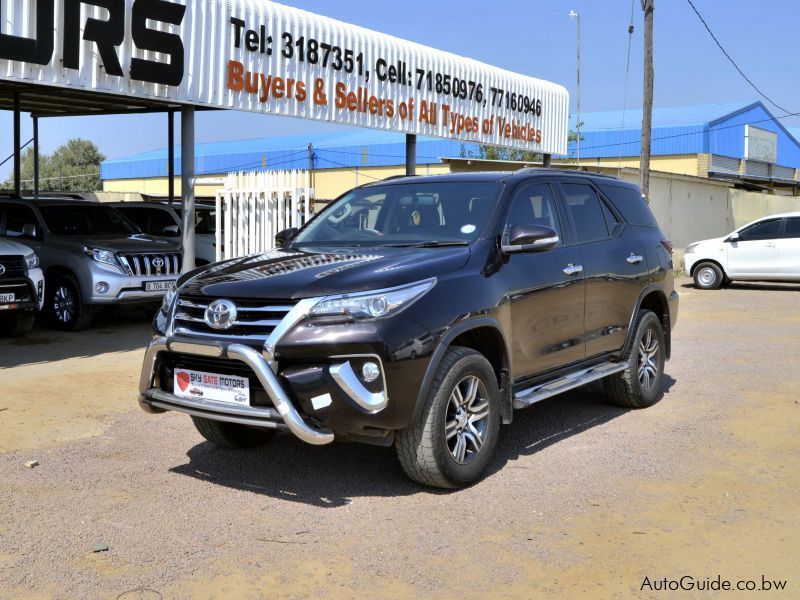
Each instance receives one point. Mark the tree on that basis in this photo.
(489, 152)
(74, 167)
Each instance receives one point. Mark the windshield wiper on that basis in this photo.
(429, 244)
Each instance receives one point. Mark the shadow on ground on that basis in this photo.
(114, 331)
(331, 476)
(763, 287)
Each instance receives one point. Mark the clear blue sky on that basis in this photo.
(534, 37)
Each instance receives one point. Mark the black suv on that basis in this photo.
(421, 312)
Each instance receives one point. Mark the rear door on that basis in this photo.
(545, 290)
(789, 250)
(755, 252)
(614, 266)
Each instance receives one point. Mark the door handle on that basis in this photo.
(770, 244)
(573, 269)
(633, 259)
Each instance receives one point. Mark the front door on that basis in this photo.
(546, 291)
(789, 250)
(755, 252)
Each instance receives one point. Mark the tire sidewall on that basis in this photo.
(57, 283)
(649, 321)
(458, 474)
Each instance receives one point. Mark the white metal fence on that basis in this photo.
(255, 206)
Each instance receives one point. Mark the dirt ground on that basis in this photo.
(583, 499)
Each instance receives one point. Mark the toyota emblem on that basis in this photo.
(2, 269)
(221, 314)
(158, 263)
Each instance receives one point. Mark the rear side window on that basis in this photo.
(587, 212)
(764, 230)
(792, 228)
(631, 204)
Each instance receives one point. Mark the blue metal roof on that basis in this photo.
(359, 148)
(709, 128)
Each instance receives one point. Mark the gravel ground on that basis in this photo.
(582, 498)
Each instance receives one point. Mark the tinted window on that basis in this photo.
(205, 220)
(71, 219)
(631, 204)
(17, 219)
(587, 212)
(534, 205)
(150, 220)
(765, 230)
(792, 228)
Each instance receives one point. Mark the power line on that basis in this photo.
(14, 153)
(733, 62)
(357, 172)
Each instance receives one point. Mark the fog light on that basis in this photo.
(370, 372)
(102, 288)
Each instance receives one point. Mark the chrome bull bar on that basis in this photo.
(152, 399)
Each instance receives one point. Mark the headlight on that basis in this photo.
(690, 248)
(32, 261)
(103, 256)
(169, 298)
(373, 305)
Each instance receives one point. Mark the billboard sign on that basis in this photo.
(760, 144)
(263, 57)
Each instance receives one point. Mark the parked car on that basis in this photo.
(765, 250)
(421, 312)
(91, 256)
(21, 287)
(162, 219)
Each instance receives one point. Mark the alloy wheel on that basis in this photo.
(467, 420)
(64, 304)
(649, 350)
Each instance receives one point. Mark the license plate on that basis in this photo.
(228, 389)
(6, 298)
(157, 286)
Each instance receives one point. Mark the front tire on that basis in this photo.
(232, 435)
(454, 439)
(640, 385)
(65, 307)
(708, 276)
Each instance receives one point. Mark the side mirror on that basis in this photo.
(734, 237)
(172, 230)
(286, 236)
(29, 231)
(530, 238)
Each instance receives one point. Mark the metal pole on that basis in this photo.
(578, 122)
(171, 155)
(17, 144)
(647, 113)
(310, 165)
(35, 156)
(187, 186)
(547, 161)
(411, 155)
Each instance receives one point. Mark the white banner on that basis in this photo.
(263, 57)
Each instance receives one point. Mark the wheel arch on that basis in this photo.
(483, 335)
(654, 299)
(703, 261)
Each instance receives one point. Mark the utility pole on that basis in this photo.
(577, 16)
(647, 113)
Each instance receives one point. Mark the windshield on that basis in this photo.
(71, 219)
(407, 214)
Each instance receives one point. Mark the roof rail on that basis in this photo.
(527, 170)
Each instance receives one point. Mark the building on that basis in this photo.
(739, 141)
(742, 143)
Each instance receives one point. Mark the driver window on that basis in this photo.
(20, 221)
(535, 205)
(765, 230)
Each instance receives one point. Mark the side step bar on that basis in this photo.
(537, 393)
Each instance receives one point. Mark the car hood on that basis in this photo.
(139, 243)
(710, 242)
(297, 274)
(9, 248)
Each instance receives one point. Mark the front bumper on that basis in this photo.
(28, 292)
(122, 289)
(282, 415)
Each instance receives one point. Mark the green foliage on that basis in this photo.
(74, 167)
(488, 152)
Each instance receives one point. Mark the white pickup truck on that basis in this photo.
(21, 288)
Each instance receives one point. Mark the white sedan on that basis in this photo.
(765, 250)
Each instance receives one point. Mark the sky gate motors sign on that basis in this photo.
(265, 57)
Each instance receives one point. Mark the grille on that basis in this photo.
(255, 319)
(152, 265)
(13, 266)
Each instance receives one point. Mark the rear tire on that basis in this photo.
(708, 276)
(16, 326)
(640, 385)
(453, 441)
(231, 435)
(65, 307)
